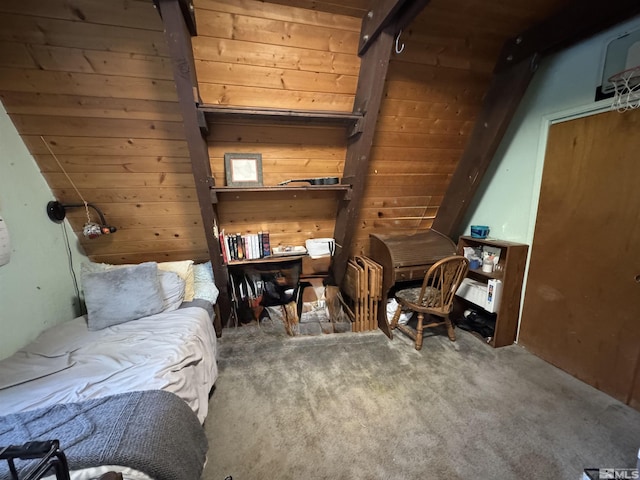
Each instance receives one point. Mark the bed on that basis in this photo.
(107, 385)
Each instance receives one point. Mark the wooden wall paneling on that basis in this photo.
(499, 106)
(128, 14)
(268, 77)
(130, 147)
(272, 11)
(101, 92)
(179, 42)
(88, 106)
(275, 56)
(150, 208)
(286, 58)
(152, 256)
(97, 127)
(39, 30)
(425, 126)
(151, 222)
(387, 160)
(82, 60)
(307, 31)
(41, 82)
(129, 195)
(445, 110)
(288, 152)
(278, 154)
(422, 140)
(354, 8)
(114, 164)
(190, 233)
(89, 181)
(261, 97)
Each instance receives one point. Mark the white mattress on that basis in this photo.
(173, 351)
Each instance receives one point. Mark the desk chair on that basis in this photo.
(434, 298)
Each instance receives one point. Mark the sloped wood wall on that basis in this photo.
(93, 78)
(254, 55)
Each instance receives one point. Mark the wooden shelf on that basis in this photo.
(344, 188)
(316, 117)
(513, 257)
(477, 272)
(269, 259)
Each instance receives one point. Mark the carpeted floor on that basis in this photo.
(359, 406)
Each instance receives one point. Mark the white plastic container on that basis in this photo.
(487, 265)
(320, 247)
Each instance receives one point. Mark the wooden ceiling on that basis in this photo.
(93, 78)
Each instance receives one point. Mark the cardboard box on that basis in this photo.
(315, 266)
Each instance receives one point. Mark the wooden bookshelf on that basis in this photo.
(513, 258)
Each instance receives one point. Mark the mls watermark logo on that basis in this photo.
(612, 474)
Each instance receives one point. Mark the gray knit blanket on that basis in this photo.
(152, 431)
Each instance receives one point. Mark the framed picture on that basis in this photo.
(243, 169)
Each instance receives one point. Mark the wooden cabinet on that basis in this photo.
(513, 258)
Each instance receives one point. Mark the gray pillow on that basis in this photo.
(172, 290)
(122, 294)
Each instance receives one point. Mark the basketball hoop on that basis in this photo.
(626, 86)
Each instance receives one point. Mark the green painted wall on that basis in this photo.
(563, 87)
(36, 289)
(565, 84)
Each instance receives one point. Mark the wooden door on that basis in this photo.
(582, 304)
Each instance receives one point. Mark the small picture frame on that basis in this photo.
(243, 169)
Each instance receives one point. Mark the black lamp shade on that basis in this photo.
(56, 212)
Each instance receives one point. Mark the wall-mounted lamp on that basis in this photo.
(57, 212)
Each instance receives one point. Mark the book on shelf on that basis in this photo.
(266, 246)
(240, 243)
(223, 247)
(250, 246)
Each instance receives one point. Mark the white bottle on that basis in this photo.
(487, 264)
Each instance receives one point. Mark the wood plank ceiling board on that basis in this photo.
(94, 79)
(353, 8)
(433, 94)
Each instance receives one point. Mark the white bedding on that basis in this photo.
(174, 351)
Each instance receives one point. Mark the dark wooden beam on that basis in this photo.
(178, 38)
(188, 13)
(373, 72)
(384, 14)
(578, 21)
(500, 103)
